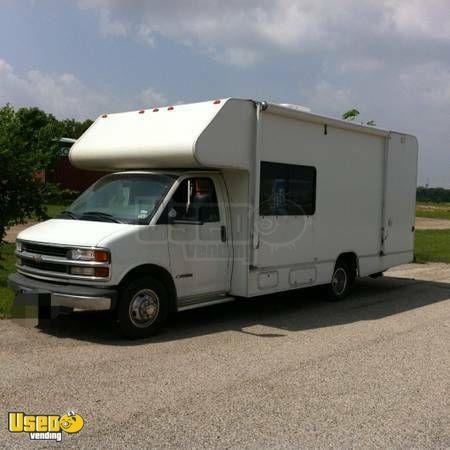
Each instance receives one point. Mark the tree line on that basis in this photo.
(434, 195)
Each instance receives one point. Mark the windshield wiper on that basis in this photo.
(67, 214)
(99, 215)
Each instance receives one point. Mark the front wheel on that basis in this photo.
(143, 308)
(341, 282)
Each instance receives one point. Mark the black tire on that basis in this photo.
(143, 308)
(341, 282)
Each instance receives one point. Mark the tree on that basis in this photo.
(435, 195)
(73, 129)
(352, 114)
(27, 145)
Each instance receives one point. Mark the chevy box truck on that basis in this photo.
(213, 201)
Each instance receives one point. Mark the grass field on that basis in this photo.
(7, 266)
(433, 246)
(433, 210)
(55, 210)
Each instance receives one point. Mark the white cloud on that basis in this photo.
(361, 64)
(237, 56)
(151, 98)
(426, 19)
(61, 94)
(243, 33)
(111, 27)
(430, 82)
(325, 97)
(64, 95)
(232, 32)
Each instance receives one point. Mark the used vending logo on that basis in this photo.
(45, 427)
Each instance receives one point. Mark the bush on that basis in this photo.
(435, 195)
(54, 194)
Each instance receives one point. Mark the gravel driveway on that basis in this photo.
(425, 223)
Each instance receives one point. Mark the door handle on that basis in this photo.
(223, 233)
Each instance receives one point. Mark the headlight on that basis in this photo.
(19, 246)
(81, 254)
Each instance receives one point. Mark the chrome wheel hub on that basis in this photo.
(339, 281)
(144, 308)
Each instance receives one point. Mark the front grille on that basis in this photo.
(47, 250)
(60, 268)
(52, 261)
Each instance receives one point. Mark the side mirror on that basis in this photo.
(171, 215)
(172, 219)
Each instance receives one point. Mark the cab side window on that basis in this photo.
(196, 200)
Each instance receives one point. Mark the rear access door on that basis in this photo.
(400, 195)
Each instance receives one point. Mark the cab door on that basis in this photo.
(199, 238)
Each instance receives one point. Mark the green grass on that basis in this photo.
(7, 266)
(55, 210)
(433, 210)
(432, 245)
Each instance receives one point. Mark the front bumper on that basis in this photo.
(67, 296)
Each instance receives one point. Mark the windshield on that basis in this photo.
(123, 198)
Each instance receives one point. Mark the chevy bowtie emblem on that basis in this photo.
(37, 258)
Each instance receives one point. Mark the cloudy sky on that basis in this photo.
(388, 58)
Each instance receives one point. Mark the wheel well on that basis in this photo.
(351, 260)
(159, 273)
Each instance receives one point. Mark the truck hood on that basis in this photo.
(72, 232)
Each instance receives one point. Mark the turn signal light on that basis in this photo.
(101, 256)
(102, 272)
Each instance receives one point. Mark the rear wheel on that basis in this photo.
(341, 282)
(143, 308)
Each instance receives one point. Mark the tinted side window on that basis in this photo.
(196, 200)
(287, 190)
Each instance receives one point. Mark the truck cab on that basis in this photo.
(149, 241)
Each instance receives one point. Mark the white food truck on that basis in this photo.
(218, 200)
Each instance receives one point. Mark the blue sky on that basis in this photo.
(388, 58)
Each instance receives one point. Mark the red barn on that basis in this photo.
(68, 176)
